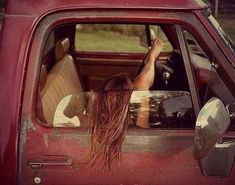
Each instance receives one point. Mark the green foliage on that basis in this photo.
(107, 41)
(123, 38)
(132, 30)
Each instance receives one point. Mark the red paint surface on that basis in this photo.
(41, 6)
(174, 165)
(12, 72)
(140, 167)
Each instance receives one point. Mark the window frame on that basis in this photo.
(219, 51)
(213, 68)
(52, 21)
(188, 67)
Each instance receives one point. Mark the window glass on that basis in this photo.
(208, 80)
(161, 109)
(229, 41)
(66, 84)
(115, 38)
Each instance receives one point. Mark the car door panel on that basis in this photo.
(150, 157)
(55, 155)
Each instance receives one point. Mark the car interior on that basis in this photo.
(67, 70)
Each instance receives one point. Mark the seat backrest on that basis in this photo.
(62, 80)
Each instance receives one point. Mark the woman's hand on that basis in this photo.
(156, 48)
(146, 78)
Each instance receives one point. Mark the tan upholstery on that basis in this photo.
(62, 80)
(43, 77)
(61, 49)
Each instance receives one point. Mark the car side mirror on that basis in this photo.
(215, 154)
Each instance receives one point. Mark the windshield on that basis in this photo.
(222, 33)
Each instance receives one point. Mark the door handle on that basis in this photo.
(51, 160)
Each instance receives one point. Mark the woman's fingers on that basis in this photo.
(156, 48)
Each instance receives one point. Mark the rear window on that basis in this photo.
(116, 38)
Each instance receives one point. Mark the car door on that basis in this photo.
(52, 155)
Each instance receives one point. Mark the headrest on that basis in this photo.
(49, 45)
(43, 77)
(61, 48)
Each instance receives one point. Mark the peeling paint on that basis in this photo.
(162, 146)
(82, 139)
(30, 126)
(26, 125)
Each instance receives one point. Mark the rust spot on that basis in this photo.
(25, 126)
(30, 126)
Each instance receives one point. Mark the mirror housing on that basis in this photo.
(215, 156)
(219, 161)
(212, 122)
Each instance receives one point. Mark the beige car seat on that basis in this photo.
(61, 81)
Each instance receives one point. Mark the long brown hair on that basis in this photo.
(110, 120)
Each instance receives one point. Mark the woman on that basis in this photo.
(110, 119)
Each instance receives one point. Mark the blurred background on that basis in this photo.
(224, 11)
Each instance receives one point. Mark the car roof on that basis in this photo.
(39, 7)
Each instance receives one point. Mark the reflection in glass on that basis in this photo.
(166, 109)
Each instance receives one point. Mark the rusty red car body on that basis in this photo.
(160, 162)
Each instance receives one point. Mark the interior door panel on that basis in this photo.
(95, 67)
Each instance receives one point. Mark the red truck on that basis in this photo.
(53, 53)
